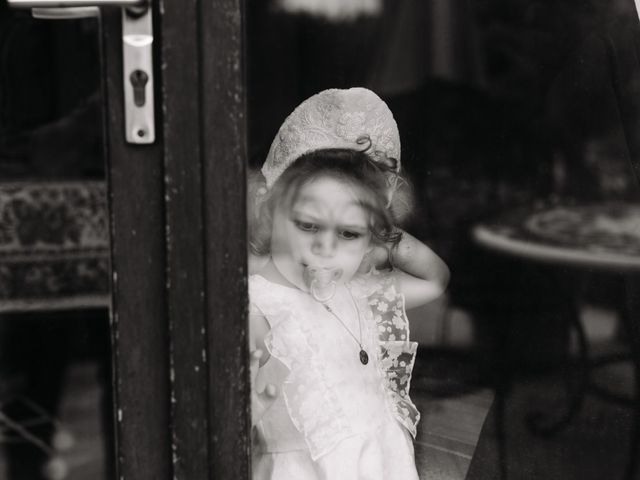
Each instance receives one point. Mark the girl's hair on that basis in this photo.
(368, 177)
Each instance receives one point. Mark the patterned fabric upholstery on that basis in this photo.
(54, 245)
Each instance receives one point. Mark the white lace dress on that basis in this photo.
(335, 418)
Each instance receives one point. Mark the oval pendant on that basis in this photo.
(364, 358)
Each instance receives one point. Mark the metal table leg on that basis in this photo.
(575, 371)
(630, 320)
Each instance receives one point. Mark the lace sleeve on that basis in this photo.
(396, 354)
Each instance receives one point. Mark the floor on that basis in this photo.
(447, 437)
(593, 446)
(448, 433)
(81, 456)
(446, 442)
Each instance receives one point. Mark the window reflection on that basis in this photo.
(55, 406)
(502, 107)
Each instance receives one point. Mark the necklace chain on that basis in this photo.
(364, 358)
(330, 310)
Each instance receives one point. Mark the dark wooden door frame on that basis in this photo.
(178, 229)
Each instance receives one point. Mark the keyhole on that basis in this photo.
(139, 80)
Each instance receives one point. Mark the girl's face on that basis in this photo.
(326, 227)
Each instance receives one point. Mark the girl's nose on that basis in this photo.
(324, 244)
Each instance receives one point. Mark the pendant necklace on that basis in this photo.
(364, 357)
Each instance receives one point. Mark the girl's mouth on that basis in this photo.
(322, 275)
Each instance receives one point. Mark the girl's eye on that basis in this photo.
(348, 235)
(306, 226)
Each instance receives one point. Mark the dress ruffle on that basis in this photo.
(317, 415)
(396, 354)
(310, 400)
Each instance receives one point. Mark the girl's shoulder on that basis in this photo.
(270, 298)
(366, 284)
(261, 289)
(259, 285)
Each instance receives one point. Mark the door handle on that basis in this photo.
(137, 70)
(56, 13)
(74, 3)
(137, 54)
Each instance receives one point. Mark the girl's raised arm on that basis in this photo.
(421, 275)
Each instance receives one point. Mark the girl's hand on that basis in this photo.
(262, 400)
(422, 276)
(377, 257)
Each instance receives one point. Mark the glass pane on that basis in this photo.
(518, 128)
(55, 390)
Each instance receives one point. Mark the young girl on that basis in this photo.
(331, 356)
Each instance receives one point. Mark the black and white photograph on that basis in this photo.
(319, 239)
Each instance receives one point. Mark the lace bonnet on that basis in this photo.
(354, 118)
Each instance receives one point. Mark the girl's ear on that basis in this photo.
(258, 217)
(402, 202)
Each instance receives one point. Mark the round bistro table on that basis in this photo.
(598, 237)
